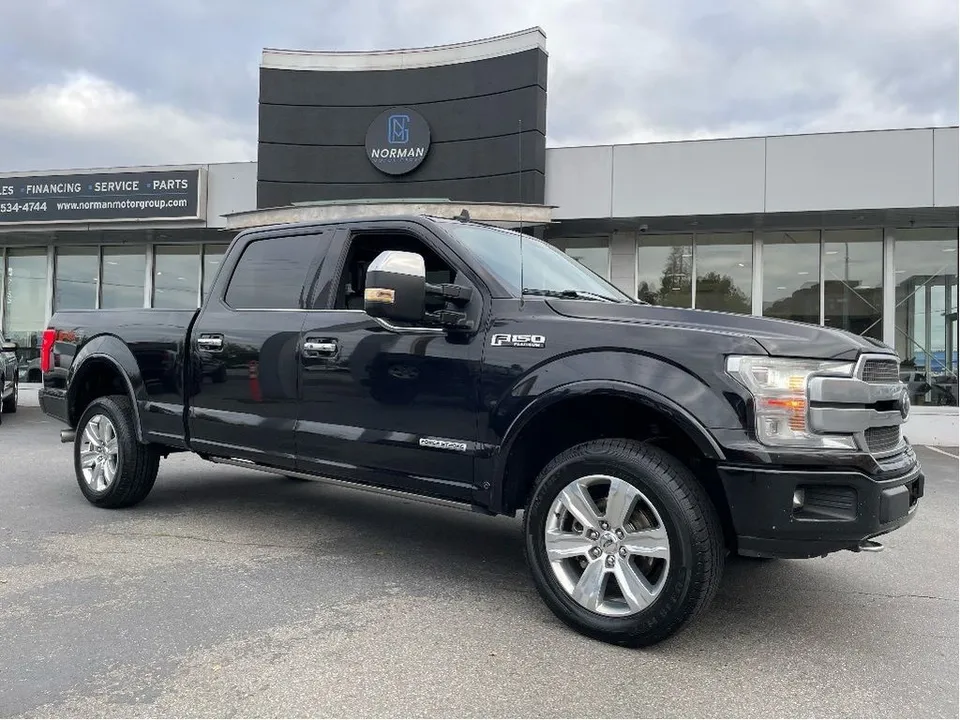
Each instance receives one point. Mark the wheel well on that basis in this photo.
(591, 417)
(96, 379)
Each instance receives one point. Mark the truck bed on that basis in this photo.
(150, 344)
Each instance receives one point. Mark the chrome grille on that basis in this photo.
(882, 439)
(877, 370)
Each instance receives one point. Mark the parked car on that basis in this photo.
(641, 444)
(9, 377)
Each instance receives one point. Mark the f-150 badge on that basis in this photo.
(523, 341)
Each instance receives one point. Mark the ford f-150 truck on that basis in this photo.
(469, 364)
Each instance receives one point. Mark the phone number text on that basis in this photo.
(30, 206)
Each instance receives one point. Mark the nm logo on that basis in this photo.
(398, 129)
(405, 144)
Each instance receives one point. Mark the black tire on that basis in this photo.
(9, 404)
(137, 464)
(696, 547)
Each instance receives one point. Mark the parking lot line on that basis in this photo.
(942, 452)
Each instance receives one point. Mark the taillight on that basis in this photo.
(46, 349)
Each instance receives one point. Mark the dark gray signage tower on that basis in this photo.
(464, 122)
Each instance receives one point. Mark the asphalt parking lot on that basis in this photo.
(233, 593)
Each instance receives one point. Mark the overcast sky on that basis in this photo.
(122, 82)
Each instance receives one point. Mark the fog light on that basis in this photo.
(798, 497)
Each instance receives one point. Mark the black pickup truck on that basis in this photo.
(463, 363)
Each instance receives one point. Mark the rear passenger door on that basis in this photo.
(244, 374)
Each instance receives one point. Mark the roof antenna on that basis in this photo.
(520, 197)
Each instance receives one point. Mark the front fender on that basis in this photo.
(110, 349)
(651, 399)
(699, 395)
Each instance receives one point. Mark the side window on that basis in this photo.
(271, 272)
(364, 248)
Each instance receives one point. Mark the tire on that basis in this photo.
(9, 404)
(665, 500)
(136, 464)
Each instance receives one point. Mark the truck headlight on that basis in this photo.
(779, 389)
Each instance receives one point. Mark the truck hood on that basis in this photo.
(777, 337)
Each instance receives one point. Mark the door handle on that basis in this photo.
(210, 342)
(327, 347)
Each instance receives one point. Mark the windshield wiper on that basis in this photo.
(570, 294)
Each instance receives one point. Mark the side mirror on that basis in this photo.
(396, 287)
(9, 346)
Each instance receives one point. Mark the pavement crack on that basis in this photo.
(891, 596)
(200, 538)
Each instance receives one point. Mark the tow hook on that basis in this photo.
(868, 546)
(68, 436)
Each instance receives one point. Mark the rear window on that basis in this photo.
(271, 272)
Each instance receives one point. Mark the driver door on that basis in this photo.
(381, 404)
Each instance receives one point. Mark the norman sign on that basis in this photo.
(165, 195)
(398, 141)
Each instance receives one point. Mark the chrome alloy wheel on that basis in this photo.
(607, 545)
(99, 453)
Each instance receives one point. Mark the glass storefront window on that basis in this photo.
(176, 277)
(26, 303)
(791, 275)
(925, 313)
(591, 252)
(665, 270)
(724, 272)
(212, 255)
(123, 277)
(75, 278)
(853, 281)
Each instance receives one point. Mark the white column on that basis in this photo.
(623, 261)
(148, 280)
(51, 270)
(3, 288)
(757, 293)
(889, 289)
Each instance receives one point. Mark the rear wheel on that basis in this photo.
(623, 543)
(113, 468)
(9, 404)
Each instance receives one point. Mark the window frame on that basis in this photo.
(239, 248)
(323, 293)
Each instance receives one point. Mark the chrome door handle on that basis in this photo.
(210, 342)
(326, 347)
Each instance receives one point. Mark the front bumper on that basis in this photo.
(839, 510)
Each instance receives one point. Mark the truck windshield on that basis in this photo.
(546, 269)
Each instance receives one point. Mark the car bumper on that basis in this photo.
(54, 404)
(793, 513)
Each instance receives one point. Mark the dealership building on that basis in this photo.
(851, 230)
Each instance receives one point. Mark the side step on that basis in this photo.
(348, 484)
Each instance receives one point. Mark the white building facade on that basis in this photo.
(854, 230)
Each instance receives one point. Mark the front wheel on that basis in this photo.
(113, 468)
(623, 543)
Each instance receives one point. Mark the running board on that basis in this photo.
(402, 494)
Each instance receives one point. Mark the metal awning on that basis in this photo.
(500, 214)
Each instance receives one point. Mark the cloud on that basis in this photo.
(87, 119)
(184, 72)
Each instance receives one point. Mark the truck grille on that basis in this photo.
(877, 370)
(867, 407)
(882, 439)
